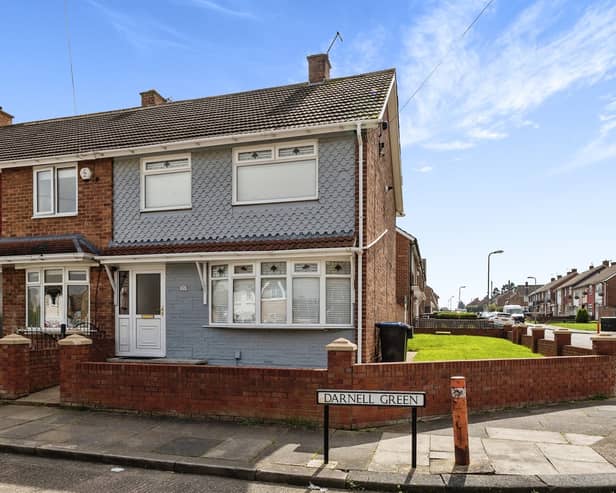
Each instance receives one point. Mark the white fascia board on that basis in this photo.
(224, 256)
(56, 258)
(192, 143)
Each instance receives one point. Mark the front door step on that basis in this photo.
(158, 361)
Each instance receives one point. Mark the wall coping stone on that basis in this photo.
(14, 339)
(604, 337)
(561, 331)
(341, 344)
(75, 340)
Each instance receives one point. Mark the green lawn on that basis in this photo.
(430, 347)
(591, 326)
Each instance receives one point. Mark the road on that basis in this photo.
(26, 474)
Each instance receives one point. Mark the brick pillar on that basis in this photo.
(604, 344)
(562, 338)
(74, 349)
(537, 333)
(516, 335)
(341, 355)
(14, 366)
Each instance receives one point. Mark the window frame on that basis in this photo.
(143, 172)
(275, 148)
(65, 283)
(53, 212)
(257, 275)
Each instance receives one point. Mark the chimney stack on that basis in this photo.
(553, 279)
(318, 68)
(151, 98)
(559, 276)
(5, 118)
(606, 263)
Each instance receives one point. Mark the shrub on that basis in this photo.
(582, 316)
(454, 315)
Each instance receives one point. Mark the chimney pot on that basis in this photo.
(318, 68)
(606, 263)
(553, 279)
(5, 118)
(559, 276)
(151, 98)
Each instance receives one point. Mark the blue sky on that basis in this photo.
(510, 145)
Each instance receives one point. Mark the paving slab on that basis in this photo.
(26, 413)
(246, 449)
(26, 430)
(515, 457)
(393, 453)
(579, 453)
(578, 482)
(573, 466)
(581, 439)
(448, 466)
(526, 435)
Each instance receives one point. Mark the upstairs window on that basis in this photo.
(166, 183)
(284, 172)
(55, 190)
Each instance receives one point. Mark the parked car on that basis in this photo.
(502, 318)
(516, 312)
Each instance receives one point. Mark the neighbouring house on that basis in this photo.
(599, 291)
(431, 304)
(243, 229)
(572, 294)
(517, 295)
(543, 301)
(411, 272)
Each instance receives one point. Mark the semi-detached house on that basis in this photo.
(243, 229)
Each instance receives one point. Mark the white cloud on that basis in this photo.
(601, 148)
(424, 169)
(141, 31)
(359, 54)
(492, 84)
(221, 9)
(483, 133)
(454, 145)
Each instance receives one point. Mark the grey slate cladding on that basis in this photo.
(342, 100)
(186, 316)
(212, 216)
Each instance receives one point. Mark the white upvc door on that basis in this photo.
(140, 312)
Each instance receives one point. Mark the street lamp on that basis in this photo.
(495, 252)
(449, 303)
(459, 292)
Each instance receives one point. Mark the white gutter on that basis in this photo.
(360, 250)
(54, 257)
(191, 143)
(222, 256)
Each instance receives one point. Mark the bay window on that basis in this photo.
(281, 293)
(275, 173)
(55, 190)
(57, 295)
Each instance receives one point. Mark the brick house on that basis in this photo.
(411, 276)
(572, 294)
(599, 291)
(543, 300)
(243, 229)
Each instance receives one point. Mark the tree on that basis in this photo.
(496, 292)
(461, 305)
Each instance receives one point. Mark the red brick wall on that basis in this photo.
(14, 370)
(13, 299)
(95, 200)
(547, 347)
(289, 394)
(576, 351)
(527, 341)
(44, 368)
(491, 384)
(379, 287)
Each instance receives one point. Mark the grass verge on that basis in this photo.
(590, 326)
(430, 347)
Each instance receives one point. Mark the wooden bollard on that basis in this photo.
(459, 413)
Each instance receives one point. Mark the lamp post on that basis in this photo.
(495, 252)
(459, 293)
(449, 303)
(529, 302)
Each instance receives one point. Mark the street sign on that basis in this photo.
(371, 398)
(379, 398)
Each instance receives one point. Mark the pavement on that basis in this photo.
(564, 447)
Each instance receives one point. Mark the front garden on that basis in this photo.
(436, 347)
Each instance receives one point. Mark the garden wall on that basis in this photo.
(289, 394)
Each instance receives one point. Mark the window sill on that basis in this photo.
(277, 201)
(50, 216)
(279, 327)
(167, 209)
